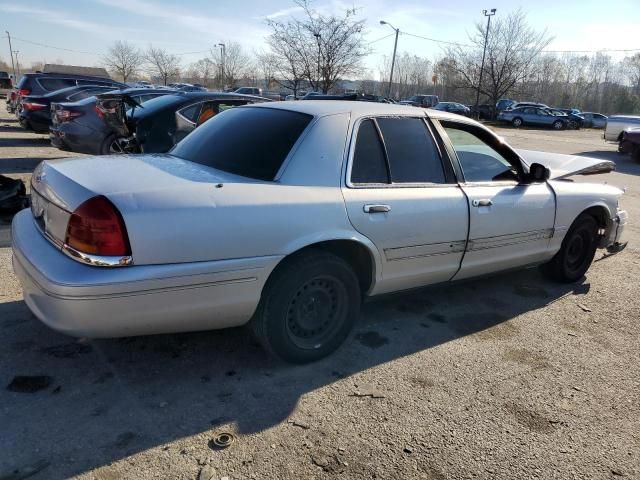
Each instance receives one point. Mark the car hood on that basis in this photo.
(563, 166)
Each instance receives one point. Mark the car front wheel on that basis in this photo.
(308, 307)
(576, 253)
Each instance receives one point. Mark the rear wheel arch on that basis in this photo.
(356, 254)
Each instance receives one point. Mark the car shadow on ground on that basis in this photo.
(98, 401)
(30, 141)
(20, 164)
(624, 162)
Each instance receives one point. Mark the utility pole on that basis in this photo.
(393, 59)
(17, 62)
(15, 79)
(223, 52)
(318, 37)
(484, 52)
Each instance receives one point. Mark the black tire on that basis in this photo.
(309, 306)
(516, 122)
(576, 253)
(558, 125)
(635, 152)
(573, 125)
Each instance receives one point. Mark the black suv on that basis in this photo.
(43, 83)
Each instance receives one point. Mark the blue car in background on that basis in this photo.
(534, 116)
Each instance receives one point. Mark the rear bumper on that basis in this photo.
(82, 300)
(76, 137)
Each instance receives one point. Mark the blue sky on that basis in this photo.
(194, 25)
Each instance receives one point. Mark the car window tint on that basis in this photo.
(479, 161)
(251, 142)
(413, 155)
(52, 84)
(191, 112)
(369, 165)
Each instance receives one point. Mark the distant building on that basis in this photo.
(75, 70)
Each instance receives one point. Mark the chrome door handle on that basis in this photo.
(376, 208)
(485, 202)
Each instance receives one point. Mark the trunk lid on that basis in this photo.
(131, 182)
(113, 109)
(563, 166)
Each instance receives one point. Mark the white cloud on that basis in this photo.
(284, 12)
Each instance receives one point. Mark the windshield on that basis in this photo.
(247, 141)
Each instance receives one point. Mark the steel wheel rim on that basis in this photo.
(316, 312)
(116, 147)
(557, 125)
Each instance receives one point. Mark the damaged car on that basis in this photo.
(161, 123)
(630, 143)
(285, 216)
(80, 127)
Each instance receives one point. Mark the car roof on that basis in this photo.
(321, 108)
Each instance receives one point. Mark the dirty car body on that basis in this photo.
(630, 143)
(286, 214)
(162, 122)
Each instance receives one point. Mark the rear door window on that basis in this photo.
(369, 165)
(251, 142)
(52, 84)
(411, 150)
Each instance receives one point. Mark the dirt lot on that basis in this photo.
(511, 377)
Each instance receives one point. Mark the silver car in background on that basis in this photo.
(616, 124)
(286, 215)
(594, 120)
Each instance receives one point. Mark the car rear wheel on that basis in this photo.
(114, 145)
(517, 122)
(308, 307)
(558, 125)
(576, 253)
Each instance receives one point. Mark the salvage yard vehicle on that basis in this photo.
(630, 143)
(616, 124)
(44, 83)
(162, 122)
(79, 126)
(424, 101)
(286, 215)
(36, 109)
(594, 120)
(534, 116)
(5, 85)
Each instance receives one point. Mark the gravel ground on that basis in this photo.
(510, 377)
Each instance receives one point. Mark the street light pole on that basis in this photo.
(223, 53)
(318, 37)
(15, 79)
(393, 59)
(484, 52)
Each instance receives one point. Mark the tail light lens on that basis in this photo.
(23, 92)
(99, 112)
(97, 228)
(31, 106)
(67, 115)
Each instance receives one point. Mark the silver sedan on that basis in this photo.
(286, 215)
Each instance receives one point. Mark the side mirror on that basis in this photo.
(538, 173)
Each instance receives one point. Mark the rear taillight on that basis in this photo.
(97, 228)
(99, 112)
(31, 106)
(67, 115)
(23, 92)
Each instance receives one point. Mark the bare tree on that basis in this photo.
(123, 59)
(233, 65)
(286, 58)
(162, 64)
(203, 71)
(631, 66)
(512, 47)
(322, 48)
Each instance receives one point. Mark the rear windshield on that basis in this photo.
(251, 142)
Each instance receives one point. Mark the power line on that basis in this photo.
(52, 47)
(381, 38)
(435, 40)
